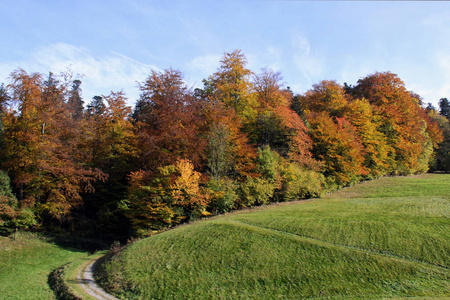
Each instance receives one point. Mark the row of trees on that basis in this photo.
(242, 140)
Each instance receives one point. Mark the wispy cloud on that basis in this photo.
(101, 73)
(202, 66)
(307, 61)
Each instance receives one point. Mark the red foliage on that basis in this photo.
(170, 121)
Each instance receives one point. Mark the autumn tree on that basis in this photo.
(232, 86)
(276, 124)
(401, 121)
(113, 146)
(169, 197)
(327, 96)
(4, 99)
(267, 129)
(114, 142)
(41, 147)
(378, 155)
(336, 143)
(148, 202)
(169, 120)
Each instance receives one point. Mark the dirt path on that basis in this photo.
(85, 278)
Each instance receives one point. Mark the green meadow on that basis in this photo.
(387, 238)
(25, 264)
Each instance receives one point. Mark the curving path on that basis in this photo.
(85, 278)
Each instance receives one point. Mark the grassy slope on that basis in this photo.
(385, 238)
(26, 263)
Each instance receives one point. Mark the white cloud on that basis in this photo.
(201, 67)
(206, 64)
(307, 61)
(270, 57)
(101, 74)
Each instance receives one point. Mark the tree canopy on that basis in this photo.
(111, 170)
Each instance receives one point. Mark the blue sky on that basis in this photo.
(115, 44)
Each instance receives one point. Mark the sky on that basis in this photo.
(114, 45)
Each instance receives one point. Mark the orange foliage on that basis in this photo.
(42, 147)
(326, 96)
(277, 125)
(240, 153)
(402, 120)
(377, 152)
(170, 121)
(337, 144)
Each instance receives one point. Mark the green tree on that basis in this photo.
(444, 107)
(75, 102)
(219, 154)
(12, 217)
(441, 160)
(232, 156)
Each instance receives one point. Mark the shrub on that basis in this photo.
(109, 270)
(299, 183)
(11, 216)
(223, 195)
(255, 191)
(270, 164)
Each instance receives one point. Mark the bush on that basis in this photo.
(223, 195)
(11, 216)
(255, 191)
(300, 184)
(270, 164)
(109, 270)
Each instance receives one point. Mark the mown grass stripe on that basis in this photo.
(323, 243)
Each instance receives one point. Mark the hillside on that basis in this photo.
(384, 238)
(25, 265)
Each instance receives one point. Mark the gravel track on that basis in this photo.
(85, 278)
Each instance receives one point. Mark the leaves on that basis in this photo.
(244, 139)
(401, 121)
(41, 147)
(336, 142)
(169, 120)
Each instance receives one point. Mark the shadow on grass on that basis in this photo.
(59, 287)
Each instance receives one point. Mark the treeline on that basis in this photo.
(107, 170)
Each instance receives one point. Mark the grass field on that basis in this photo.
(388, 238)
(26, 263)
